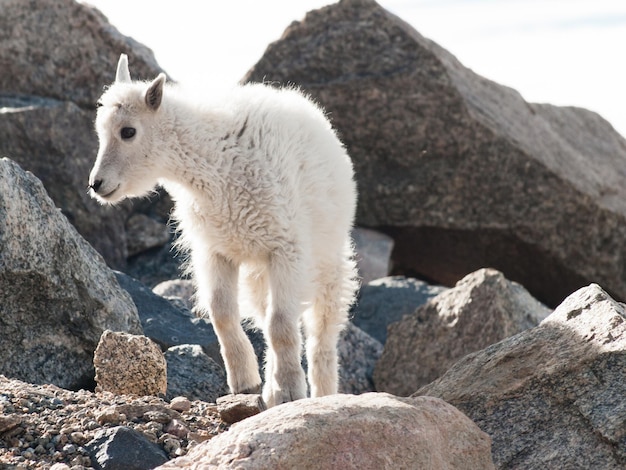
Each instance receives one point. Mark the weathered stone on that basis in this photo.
(122, 448)
(129, 364)
(56, 294)
(358, 353)
(551, 396)
(481, 310)
(144, 233)
(373, 430)
(180, 404)
(180, 288)
(459, 170)
(193, 374)
(387, 300)
(373, 253)
(157, 265)
(46, 123)
(8, 422)
(37, 58)
(235, 408)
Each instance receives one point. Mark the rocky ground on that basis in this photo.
(44, 425)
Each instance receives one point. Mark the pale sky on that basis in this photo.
(563, 52)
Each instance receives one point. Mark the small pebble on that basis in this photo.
(69, 448)
(180, 404)
(109, 416)
(77, 437)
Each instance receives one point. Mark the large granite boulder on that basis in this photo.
(459, 170)
(552, 396)
(55, 58)
(482, 309)
(374, 430)
(64, 50)
(57, 295)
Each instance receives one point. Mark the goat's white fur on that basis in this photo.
(263, 191)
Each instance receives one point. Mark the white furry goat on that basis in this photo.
(263, 190)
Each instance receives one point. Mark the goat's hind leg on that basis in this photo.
(324, 322)
(220, 276)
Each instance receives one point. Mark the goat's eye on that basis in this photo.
(99, 104)
(127, 133)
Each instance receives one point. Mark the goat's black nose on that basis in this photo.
(96, 185)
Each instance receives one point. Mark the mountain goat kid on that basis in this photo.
(264, 200)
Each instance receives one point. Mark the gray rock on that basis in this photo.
(370, 431)
(387, 300)
(193, 374)
(482, 309)
(459, 170)
(165, 324)
(34, 41)
(56, 294)
(373, 253)
(157, 265)
(129, 365)
(122, 448)
(46, 116)
(358, 353)
(144, 233)
(551, 396)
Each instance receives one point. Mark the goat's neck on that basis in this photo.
(196, 160)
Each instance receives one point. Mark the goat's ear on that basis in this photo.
(154, 93)
(123, 74)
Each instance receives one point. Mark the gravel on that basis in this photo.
(42, 426)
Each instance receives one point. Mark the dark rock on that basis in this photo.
(165, 324)
(122, 448)
(551, 396)
(57, 295)
(193, 374)
(459, 170)
(235, 408)
(358, 353)
(387, 300)
(482, 309)
(156, 265)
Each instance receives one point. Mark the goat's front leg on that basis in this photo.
(284, 377)
(217, 282)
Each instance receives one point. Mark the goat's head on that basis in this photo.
(127, 127)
